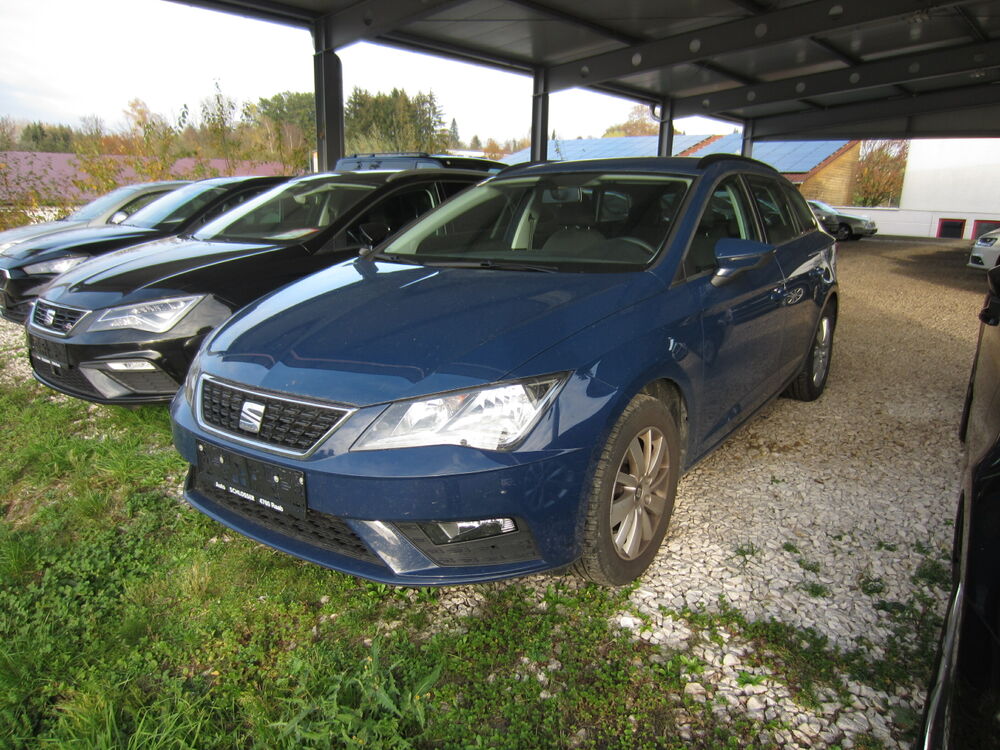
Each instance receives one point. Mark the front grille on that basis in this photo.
(67, 378)
(290, 425)
(55, 317)
(145, 381)
(318, 529)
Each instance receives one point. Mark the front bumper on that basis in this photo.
(17, 292)
(983, 257)
(364, 510)
(86, 370)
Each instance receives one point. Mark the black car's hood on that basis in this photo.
(22, 234)
(235, 272)
(87, 240)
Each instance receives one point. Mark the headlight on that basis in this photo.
(59, 265)
(493, 418)
(156, 317)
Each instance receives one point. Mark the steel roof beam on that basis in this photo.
(974, 28)
(801, 123)
(262, 10)
(887, 72)
(369, 19)
(822, 16)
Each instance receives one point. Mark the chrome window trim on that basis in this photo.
(236, 437)
(51, 331)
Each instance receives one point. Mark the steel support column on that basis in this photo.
(747, 149)
(329, 109)
(665, 142)
(540, 116)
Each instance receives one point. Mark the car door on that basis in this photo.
(803, 255)
(741, 327)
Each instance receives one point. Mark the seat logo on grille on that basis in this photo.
(251, 416)
(49, 316)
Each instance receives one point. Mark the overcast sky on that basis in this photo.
(61, 60)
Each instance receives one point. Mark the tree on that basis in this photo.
(99, 172)
(492, 150)
(8, 134)
(453, 140)
(152, 144)
(639, 122)
(394, 122)
(475, 144)
(219, 128)
(37, 136)
(879, 181)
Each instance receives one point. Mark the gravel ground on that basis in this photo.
(810, 504)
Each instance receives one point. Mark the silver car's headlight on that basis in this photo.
(156, 317)
(496, 417)
(58, 265)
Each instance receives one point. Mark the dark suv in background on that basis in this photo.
(124, 327)
(29, 266)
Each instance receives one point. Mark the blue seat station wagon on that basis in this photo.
(515, 382)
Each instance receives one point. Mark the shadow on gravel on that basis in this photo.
(935, 262)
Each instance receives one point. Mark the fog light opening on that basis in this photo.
(449, 532)
(131, 365)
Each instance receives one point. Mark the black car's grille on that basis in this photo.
(318, 529)
(290, 425)
(68, 379)
(55, 318)
(146, 381)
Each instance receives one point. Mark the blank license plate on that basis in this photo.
(274, 487)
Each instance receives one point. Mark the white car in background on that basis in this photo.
(985, 251)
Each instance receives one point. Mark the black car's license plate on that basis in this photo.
(51, 352)
(274, 487)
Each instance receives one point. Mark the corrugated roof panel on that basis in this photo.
(606, 148)
(788, 157)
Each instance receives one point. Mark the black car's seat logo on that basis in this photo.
(251, 416)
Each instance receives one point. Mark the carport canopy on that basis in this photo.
(782, 69)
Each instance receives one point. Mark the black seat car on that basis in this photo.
(28, 266)
(124, 327)
(963, 706)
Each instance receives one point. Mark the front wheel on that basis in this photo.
(632, 494)
(811, 380)
(844, 232)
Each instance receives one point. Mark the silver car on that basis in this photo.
(840, 225)
(985, 251)
(111, 208)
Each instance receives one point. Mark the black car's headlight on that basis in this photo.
(158, 316)
(57, 265)
(494, 417)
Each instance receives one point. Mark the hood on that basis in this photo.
(234, 272)
(86, 240)
(364, 333)
(20, 234)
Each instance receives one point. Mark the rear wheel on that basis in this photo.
(632, 494)
(811, 380)
(843, 232)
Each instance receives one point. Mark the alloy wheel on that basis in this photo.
(639, 497)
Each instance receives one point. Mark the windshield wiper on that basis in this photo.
(491, 265)
(391, 257)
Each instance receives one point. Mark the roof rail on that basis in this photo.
(522, 164)
(707, 161)
(386, 154)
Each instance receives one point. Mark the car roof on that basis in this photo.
(640, 164)
(377, 177)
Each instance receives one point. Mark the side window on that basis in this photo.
(449, 189)
(775, 213)
(396, 211)
(726, 215)
(143, 200)
(230, 203)
(802, 212)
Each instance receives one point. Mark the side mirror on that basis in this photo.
(374, 232)
(734, 256)
(990, 314)
(118, 217)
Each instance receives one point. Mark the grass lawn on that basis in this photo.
(127, 619)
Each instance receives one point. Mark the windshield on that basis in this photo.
(292, 211)
(577, 222)
(176, 207)
(822, 206)
(105, 203)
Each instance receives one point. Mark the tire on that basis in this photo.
(643, 446)
(811, 379)
(844, 232)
